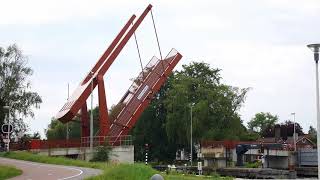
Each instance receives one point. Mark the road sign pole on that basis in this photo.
(200, 167)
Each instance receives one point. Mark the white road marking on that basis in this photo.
(74, 175)
(38, 164)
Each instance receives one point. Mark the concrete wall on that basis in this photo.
(59, 151)
(277, 162)
(216, 152)
(208, 162)
(215, 162)
(123, 154)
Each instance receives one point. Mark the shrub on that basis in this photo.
(103, 153)
(255, 164)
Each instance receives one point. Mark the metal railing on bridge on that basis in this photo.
(125, 140)
(76, 143)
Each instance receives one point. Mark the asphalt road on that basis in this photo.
(40, 171)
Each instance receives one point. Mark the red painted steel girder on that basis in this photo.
(141, 92)
(136, 99)
(81, 94)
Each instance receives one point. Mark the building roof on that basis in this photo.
(301, 140)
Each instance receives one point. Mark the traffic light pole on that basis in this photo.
(8, 132)
(7, 140)
(146, 151)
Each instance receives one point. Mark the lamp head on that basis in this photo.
(315, 49)
(6, 107)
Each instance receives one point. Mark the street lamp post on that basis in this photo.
(294, 131)
(191, 106)
(191, 135)
(315, 49)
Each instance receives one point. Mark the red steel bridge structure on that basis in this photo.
(134, 101)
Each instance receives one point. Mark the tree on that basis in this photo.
(262, 121)
(165, 123)
(58, 130)
(286, 129)
(290, 128)
(15, 88)
(215, 106)
(312, 134)
(150, 129)
(24, 141)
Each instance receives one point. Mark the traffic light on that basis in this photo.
(6, 146)
(262, 149)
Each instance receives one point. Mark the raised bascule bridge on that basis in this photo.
(131, 105)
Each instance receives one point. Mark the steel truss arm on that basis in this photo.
(103, 109)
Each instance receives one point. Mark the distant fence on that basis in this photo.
(48, 144)
(232, 144)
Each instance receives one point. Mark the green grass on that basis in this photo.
(126, 172)
(51, 160)
(190, 177)
(7, 172)
(111, 171)
(179, 176)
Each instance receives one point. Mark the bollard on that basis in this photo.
(156, 177)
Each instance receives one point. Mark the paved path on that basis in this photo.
(40, 171)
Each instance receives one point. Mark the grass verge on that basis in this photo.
(126, 172)
(111, 171)
(7, 172)
(51, 160)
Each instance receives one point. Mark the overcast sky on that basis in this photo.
(258, 44)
